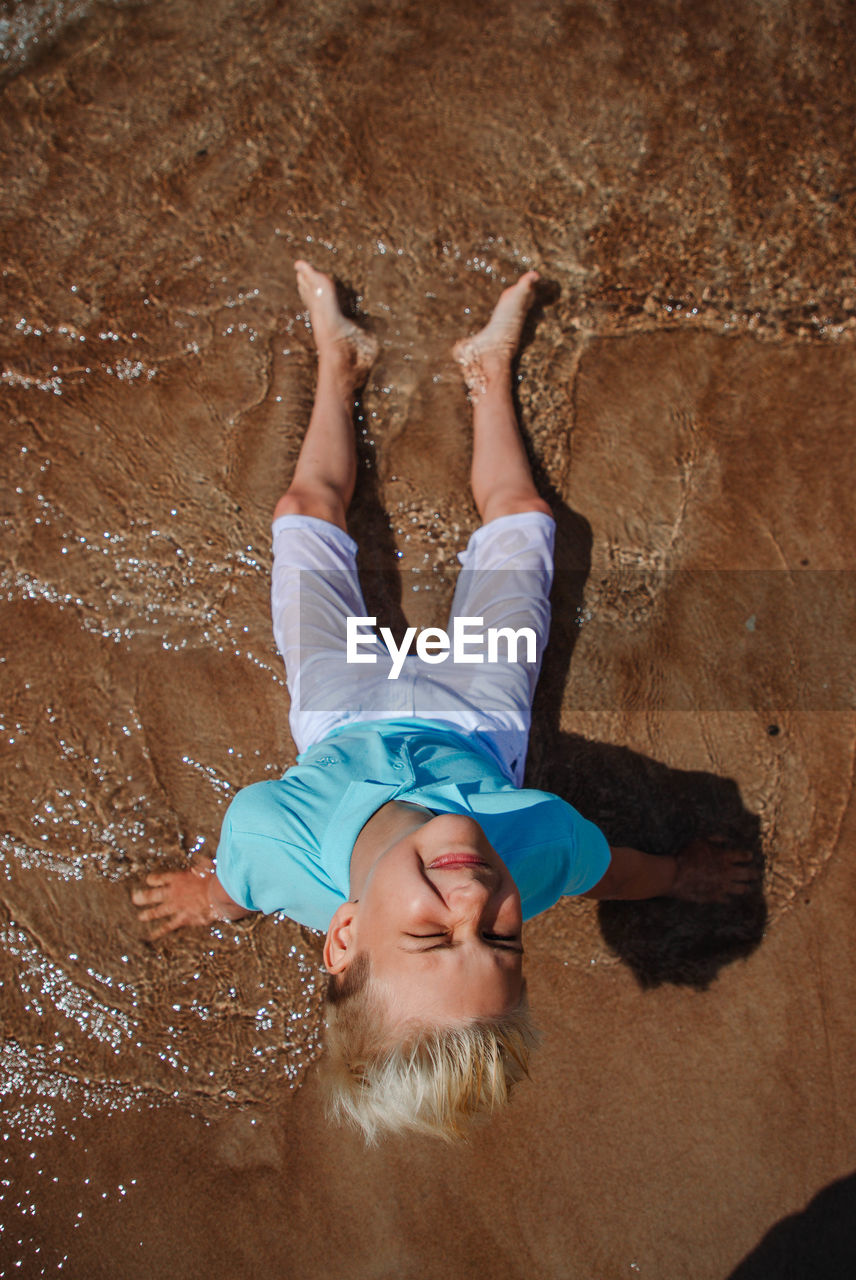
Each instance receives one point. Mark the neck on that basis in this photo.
(391, 822)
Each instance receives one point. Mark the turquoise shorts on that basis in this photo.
(504, 582)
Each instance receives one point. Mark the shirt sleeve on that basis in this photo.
(550, 849)
(264, 865)
(591, 856)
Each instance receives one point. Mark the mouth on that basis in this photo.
(448, 860)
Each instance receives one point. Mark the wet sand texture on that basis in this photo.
(683, 178)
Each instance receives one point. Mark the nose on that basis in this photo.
(467, 896)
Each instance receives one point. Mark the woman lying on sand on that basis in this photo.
(403, 831)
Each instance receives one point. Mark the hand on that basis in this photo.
(709, 870)
(178, 898)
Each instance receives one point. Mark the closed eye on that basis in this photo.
(444, 941)
(508, 942)
(499, 941)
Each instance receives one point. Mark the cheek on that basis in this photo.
(511, 912)
(395, 901)
(418, 908)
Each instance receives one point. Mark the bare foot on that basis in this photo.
(709, 870)
(180, 898)
(492, 349)
(335, 335)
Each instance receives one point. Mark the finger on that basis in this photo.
(745, 883)
(742, 874)
(734, 860)
(159, 878)
(178, 920)
(145, 897)
(746, 864)
(161, 931)
(158, 913)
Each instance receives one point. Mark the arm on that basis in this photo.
(703, 871)
(632, 874)
(180, 898)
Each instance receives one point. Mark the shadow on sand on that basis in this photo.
(639, 802)
(817, 1244)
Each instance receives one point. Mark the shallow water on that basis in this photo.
(684, 182)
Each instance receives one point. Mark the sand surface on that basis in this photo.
(683, 177)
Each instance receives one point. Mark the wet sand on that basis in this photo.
(683, 179)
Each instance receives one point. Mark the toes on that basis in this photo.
(526, 283)
(528, 277)
(310, 283)
(311, 276)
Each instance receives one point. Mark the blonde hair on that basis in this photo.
(435, 1080)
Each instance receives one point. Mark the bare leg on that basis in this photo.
(501, 479)
(323, 480)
